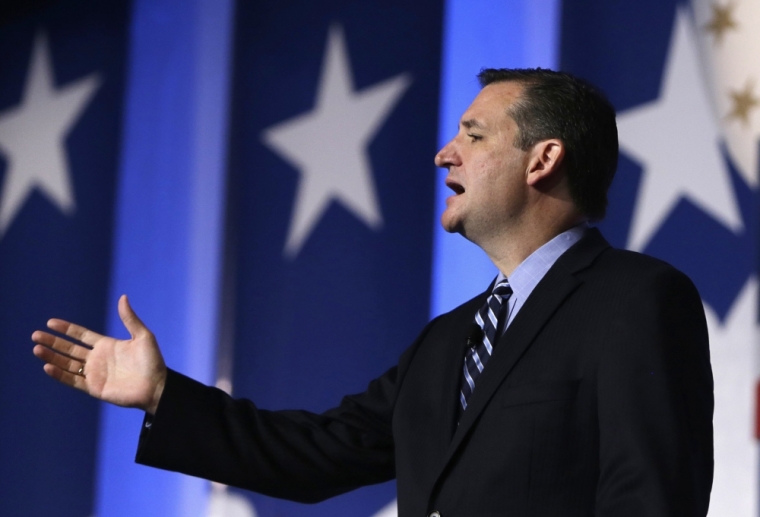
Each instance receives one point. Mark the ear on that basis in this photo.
(545, 161)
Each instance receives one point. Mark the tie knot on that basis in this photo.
(502, 289)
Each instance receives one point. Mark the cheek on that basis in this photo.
(489, 170)
(496, 178)
(506, 191)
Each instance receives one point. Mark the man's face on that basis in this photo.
(486, 171)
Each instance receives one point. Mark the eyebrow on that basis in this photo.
(470, 123)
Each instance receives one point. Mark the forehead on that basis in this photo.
(491, 104)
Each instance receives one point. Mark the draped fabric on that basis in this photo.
(61, 89)
(686, 191)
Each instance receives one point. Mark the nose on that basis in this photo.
(447, 156)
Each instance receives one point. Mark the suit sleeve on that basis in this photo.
(296, 455)
(655, 396)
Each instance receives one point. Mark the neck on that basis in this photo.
(510, 249)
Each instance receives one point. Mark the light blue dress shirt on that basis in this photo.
(531, 270)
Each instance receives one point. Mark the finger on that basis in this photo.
(85, 335)
(67, 378)
(60, 345)
(134, 325)
(61, 361)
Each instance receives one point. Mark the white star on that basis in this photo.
(224, 503)
(389, 510)
(32, 137)
(329, 144)
(676, 140)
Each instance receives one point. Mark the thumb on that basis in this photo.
(133, 324)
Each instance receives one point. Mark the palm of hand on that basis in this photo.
(123, 371)
(128, 373)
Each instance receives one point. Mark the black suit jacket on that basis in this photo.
(597, 401)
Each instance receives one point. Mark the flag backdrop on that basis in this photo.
(295, 140)
(333, 129)
(686, 186)
(61, 90)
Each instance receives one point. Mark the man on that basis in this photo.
(578, 384)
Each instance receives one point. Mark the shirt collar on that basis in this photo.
(531, 270)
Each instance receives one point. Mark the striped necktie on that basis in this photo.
(489, 318)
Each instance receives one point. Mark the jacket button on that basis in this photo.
(435, 514)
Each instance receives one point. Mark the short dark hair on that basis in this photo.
(558, 105)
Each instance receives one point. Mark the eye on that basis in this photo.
(474, 137)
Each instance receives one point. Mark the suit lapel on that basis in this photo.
(556, 286)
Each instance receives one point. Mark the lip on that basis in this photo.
(455, 186)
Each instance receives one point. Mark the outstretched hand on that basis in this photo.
(129, 373)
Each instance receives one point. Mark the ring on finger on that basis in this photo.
(81, 370)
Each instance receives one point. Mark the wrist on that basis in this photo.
(157, 392)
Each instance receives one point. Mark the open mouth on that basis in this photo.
(456, 187)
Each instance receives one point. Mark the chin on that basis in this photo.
(447, 222)
(452, 226)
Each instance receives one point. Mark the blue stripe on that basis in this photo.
(167, 240)
(483, 33)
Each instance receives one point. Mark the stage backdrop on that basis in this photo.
(683, 79)
(331, 183)
(335, 109)
(61, 89)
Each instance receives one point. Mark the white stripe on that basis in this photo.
(462, 400)
(487, 342)
(476, 358)
(468, 378)
(492, 317)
